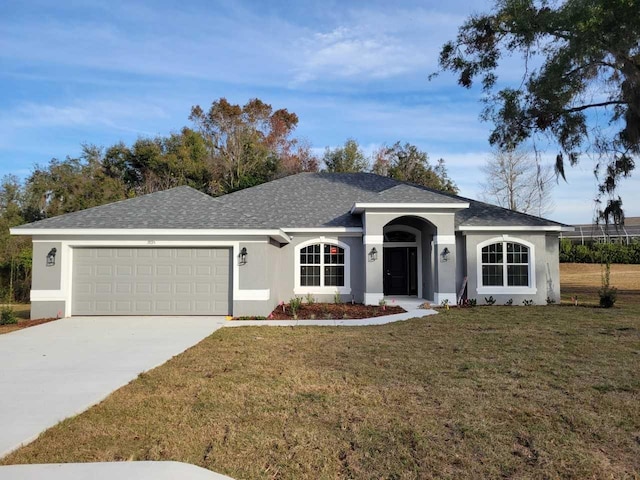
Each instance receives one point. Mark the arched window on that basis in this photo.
(399, 236)
(506, 265)
(322, 267)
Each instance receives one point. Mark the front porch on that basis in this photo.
(410, 257)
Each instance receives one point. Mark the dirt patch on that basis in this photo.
(24, 324)
(331, 311)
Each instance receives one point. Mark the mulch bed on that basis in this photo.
(24, 324)
(333, 311)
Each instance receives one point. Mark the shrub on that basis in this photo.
(337, 298)
(490, 300)
(294, 305)
(310, 299)
(608, 294)
(600, 252)
(527, 303)
(8, 316)
(509, 302)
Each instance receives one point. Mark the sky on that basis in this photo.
(76, 72)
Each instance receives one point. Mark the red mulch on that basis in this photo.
(24, 324)
(334, 311)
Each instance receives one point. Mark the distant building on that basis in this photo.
(602, 233)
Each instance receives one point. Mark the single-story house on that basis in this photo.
(357, 235)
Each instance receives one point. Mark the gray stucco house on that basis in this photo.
(181, 252)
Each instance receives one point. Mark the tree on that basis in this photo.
(514, 180)
(410, 164)
(70, 185)
(588, 53)
(153, 164)
(246, 144)
(346, 159)
(15, 251)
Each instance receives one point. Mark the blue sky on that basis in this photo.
(76, 71)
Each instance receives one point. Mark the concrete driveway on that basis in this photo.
(56, 370)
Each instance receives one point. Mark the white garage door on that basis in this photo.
(151, 281)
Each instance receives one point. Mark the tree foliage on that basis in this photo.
(251, 144)
(589, 56)
(410, 164)
(346, 159)
(15, 252)
(514, 180)
(70, 185)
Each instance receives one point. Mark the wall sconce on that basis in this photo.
(51, 257)
(445, 254)
(373, 255)
(242, 256)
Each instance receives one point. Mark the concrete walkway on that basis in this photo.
(332, 323)
(59, 369)
(109, 471)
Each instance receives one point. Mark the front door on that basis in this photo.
(400, 271)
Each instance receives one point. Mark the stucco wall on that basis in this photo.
(546, 268)
(47, 309)
(282, 265)
(44, 277)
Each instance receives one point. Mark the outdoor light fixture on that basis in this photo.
(373, 255)
(445, 254)
(243, 256)
(51, 257)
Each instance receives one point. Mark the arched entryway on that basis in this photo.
(402, 270)
(407, 263)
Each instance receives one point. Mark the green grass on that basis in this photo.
(488, 392)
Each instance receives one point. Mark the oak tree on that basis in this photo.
(580, 64)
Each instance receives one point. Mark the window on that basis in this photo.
(399, 236)
(322, 267)
(506, 264)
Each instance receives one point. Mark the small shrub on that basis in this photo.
(8, 316)
(473, 302)
(490, 300)
(550, 301)
(337, 298)
(608, 294)
(310, 299)
(383, 304)
(509, 302)
(445, 304)
(527, 303)
(294, 305)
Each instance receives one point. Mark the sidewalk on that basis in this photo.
(360, 322)
(109, 471)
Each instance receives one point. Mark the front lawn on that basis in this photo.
(515, 392)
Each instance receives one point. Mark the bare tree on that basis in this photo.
(514, 180)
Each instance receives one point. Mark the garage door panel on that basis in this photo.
(152, 281)
(142, 270)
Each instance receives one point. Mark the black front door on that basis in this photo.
(400, 271)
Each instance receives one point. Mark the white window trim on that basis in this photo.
(321, 289)
(505, 289)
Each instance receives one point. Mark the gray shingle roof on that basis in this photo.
(305, 200)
